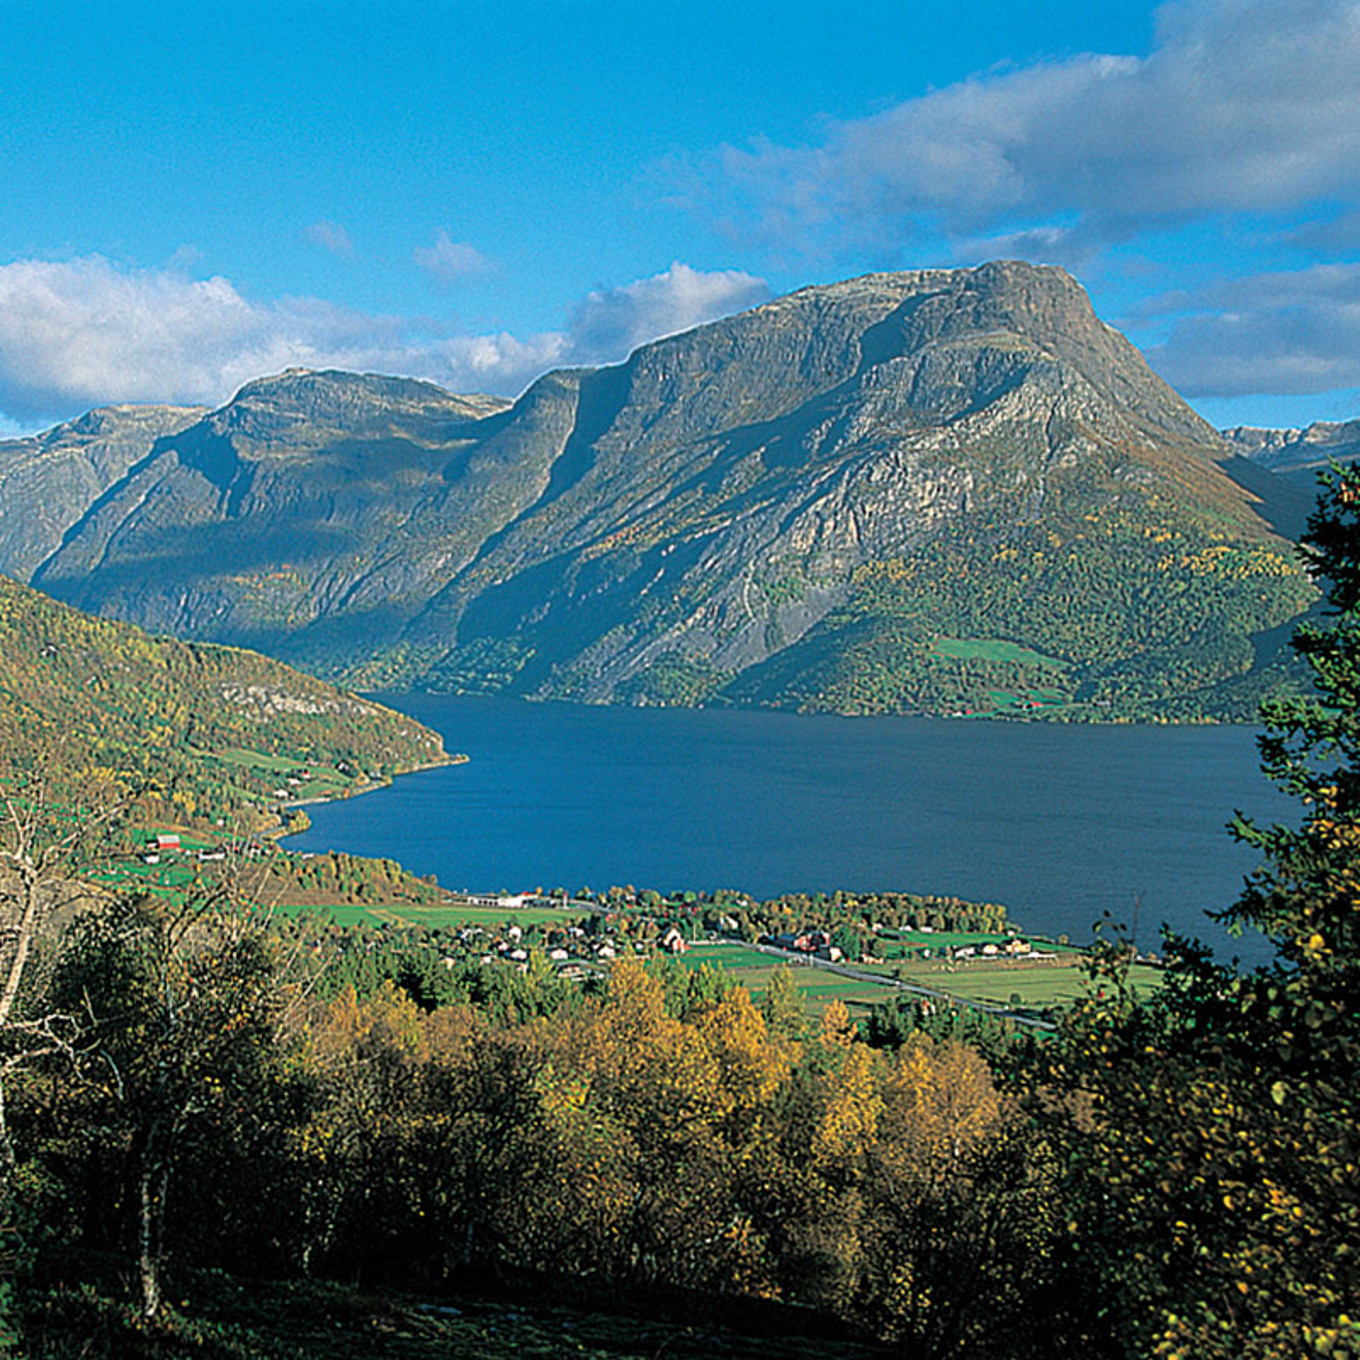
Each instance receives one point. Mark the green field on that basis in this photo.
(174, 875)
(443, 915)
(1037, 984)
(326, 780)
(752, 969)
(727, 955)
(819, 987)
(995, 982)
(993, 649)
(892, 943)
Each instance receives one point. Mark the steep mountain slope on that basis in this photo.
(287, 506)
(197, 731)
(926, 491)
(48, 482)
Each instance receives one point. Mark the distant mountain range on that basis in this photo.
(935, 491)
(1300, 453)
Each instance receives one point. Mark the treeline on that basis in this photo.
(892, 910)
(334, 878)
(730, 911)
(667, 1132)
(433, 968)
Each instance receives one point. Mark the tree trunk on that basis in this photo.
(153, 1184)
(7, 1158)
(22, 931)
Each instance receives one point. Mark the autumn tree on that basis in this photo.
(782, 1004)
(52, 829)
(182, 1052)
(1219, 1201)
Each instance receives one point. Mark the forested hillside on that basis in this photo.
(191, 731)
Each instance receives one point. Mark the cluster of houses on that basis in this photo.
(570, 948)
(509, 902)
(1014, 948)
(166, 846)
(814, 942)
(570, 954)
(817, 944)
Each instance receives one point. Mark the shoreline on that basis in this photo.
(458, 758)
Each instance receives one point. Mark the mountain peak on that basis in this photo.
(336, 394)
(120, 420)
(301, 407)
(900, 492)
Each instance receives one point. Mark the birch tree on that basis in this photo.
(51, 832)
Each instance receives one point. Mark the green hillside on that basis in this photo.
(198, 732)
(1131, 608)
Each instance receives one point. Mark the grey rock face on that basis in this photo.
(50, 481)
(705, 505)
(1298, 452)
(264, 701)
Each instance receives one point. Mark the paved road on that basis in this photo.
(914, 988)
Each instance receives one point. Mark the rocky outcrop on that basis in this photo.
(266, 701)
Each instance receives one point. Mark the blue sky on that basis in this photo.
(192, 194)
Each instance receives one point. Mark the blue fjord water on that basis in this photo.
(1061, 823)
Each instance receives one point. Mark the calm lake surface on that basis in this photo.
(1061, 823)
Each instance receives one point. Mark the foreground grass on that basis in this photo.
(230, 1320)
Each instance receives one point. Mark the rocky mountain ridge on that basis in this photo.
(924, 491)
(49, 481)
(1298, 452)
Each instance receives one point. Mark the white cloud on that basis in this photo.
(612, 322)
(71, 331)
(449, 260)
(185, 257)
(79, 333)
(330, 236)
(1242, 106)
(1286, 332)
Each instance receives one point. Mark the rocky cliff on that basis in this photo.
(49, 482)
(940, 490)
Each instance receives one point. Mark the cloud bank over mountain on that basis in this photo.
(87, 331)
(1197, 166)
(1240, 126)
